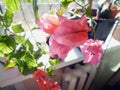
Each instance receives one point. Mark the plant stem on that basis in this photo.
(90, 3)
(83, 7)
(93, 28)
(27, 23)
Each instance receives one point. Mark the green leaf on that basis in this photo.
(88, 12)
(8, 17)
(1, 26)
(44, 51)
(7, 44)
(29, 46)
(1, 54)
(53, 61)
(10, 64)
(8, 56)
(50, 71)
(19, 51)
(28, 1)
(28, 71)
(20, 39)
(24, 69)
(12, 5)
(38, 44)
(27, 64)
(37, 54)
(1, 22)
(10, 41)
(4, 49)
(17, 28)
(40, 64)
(52, 12)
(66, 2)
(35, 9)
(29, 59)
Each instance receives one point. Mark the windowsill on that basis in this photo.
(12, 75)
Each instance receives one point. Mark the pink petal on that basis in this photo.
(62, 18)
(73, 39)
(58, 49)
(72, 26)
(48, 23)
(84, 25)
(52, 19)
(92, 51)
(69, 34)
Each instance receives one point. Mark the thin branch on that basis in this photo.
(24, 16)
(27, 22)
(90, 3)
(83, 7)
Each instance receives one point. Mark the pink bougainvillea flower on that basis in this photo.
(43, 82)
(57, 49)
(69, 34)
(72, 33)
(71, 26)
(73, 39)
(66, 34)
(40, 73)
(92, 51)
(55, 86)
(48, 23)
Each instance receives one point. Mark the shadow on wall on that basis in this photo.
(109, 65)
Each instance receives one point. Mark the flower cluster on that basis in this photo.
(92, 51)
(43, 82)
(65, 33)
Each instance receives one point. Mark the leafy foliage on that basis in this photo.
(88, 12)
(35, 8)
(17, 49)
(66, 2)
(12, 5)
(7, 44)
(17, 28)
(54, 61)
(8, 17)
